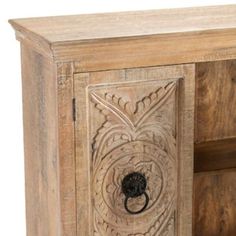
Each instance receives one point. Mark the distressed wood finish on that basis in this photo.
(127, 24)
(135, 120)
(41, 146)
(215, 203)
(66, 141)
(122, 40)
(215, 100)
(49, 145)
(157, 50)
(108, 94)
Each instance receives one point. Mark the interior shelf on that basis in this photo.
(215, 155)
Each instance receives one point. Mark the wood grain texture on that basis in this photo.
(215, 155)
(49, 146)
(123, 40)
(215, 203)
(131, 115)
(137, 135)
(66, 145)
(149, 51)
(215, 101)
(102, 144)
(41, 146)
(67, 29)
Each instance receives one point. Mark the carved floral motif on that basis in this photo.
(136, 135)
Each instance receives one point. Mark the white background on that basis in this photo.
(12, 205)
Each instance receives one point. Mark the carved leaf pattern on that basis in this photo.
(114, 107)
(116, 151)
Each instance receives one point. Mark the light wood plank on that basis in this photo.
(62, 29)
(66, 145)
(134, 39)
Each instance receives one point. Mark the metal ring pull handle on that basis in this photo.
(139, 211)
(134, 185)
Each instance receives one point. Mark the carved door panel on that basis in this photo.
(134, 150)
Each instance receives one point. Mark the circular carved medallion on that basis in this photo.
(159, 170)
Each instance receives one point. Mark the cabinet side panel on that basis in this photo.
(41, 147)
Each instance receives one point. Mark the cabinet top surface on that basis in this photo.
(64, 29)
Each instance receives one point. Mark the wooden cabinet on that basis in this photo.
(120, 110)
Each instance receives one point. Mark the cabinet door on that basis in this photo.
(134, 151)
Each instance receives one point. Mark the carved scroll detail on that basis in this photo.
(136, 135)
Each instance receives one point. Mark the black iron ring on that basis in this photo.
(139, 211)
